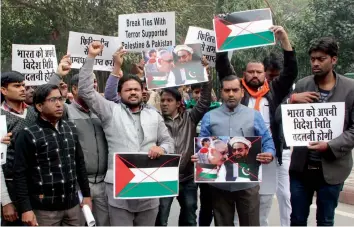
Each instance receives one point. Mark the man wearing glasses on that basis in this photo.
(49, 163)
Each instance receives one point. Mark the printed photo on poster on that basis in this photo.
(136, 176)
(174, 66)
(224, 159)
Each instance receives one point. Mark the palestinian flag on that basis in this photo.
(243, 30)
(206, 172)
(136, 176)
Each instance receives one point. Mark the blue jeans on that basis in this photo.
(302, 189)
(187, 198)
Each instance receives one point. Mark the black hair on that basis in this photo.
(204, 140)
(327, 45)
(128, 77)
(42, 92)
(230, 78)
(74, 81)
(174, 92)
(11, 77)
(151, 52)
(196, 86)
(273, 61)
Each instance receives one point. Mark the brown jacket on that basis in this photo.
(337, 162)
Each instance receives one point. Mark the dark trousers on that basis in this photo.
(187, 199)
(302, 189)
(247, 205)
(206, 205)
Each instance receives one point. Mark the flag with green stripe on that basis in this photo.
(246, 29)
(136, 176)
(205, 172)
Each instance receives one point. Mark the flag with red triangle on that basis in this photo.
(241, 30)
(136, 176)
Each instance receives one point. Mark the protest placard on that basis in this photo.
(207, 40)
(136, 176)
(241, 30)
(3, 132)
(36, 62)
(225, 159)
(305, 123)
(78, 48)
(146, 31)
(174, 66)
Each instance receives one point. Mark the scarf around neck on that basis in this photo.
(258, 95)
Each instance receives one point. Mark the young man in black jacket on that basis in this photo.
(48, 165)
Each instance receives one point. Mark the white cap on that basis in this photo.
(183, 47)
(240, 140)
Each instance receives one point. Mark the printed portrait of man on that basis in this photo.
(240, 149)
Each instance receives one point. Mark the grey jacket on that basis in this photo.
(337, 161)
(118, 125)
(91, 137)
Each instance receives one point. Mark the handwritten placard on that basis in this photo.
(36, 62)
(207, 40)
(304, 123)
(78, 48)
(146, 31)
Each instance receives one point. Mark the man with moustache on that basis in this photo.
(29, 94)
(48, 165)
(235, 119)
(322, 167)
(129, 126)
(265, 96)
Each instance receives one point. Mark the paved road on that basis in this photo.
(344, 215)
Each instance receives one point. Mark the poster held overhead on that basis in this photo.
(174, 66)
(146, 31)
(78, 48)
(246, 29)
(36, 62)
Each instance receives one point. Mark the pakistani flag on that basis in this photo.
(206, 172)
(139, 177)
(243, 30)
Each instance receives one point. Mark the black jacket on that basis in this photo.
(48, 165)
(279, 88)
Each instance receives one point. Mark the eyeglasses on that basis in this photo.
(54, 100)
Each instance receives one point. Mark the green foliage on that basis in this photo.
(49, 22)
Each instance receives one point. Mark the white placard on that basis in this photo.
(36, 62)
(3, 132)
(78, 49)
(207, 40)
(304, 123)
(146, 31)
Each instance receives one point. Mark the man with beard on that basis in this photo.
(322, 166)
(235, 119)
(129, 126)
(182, 127)
(185, 71)
(265, 96)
